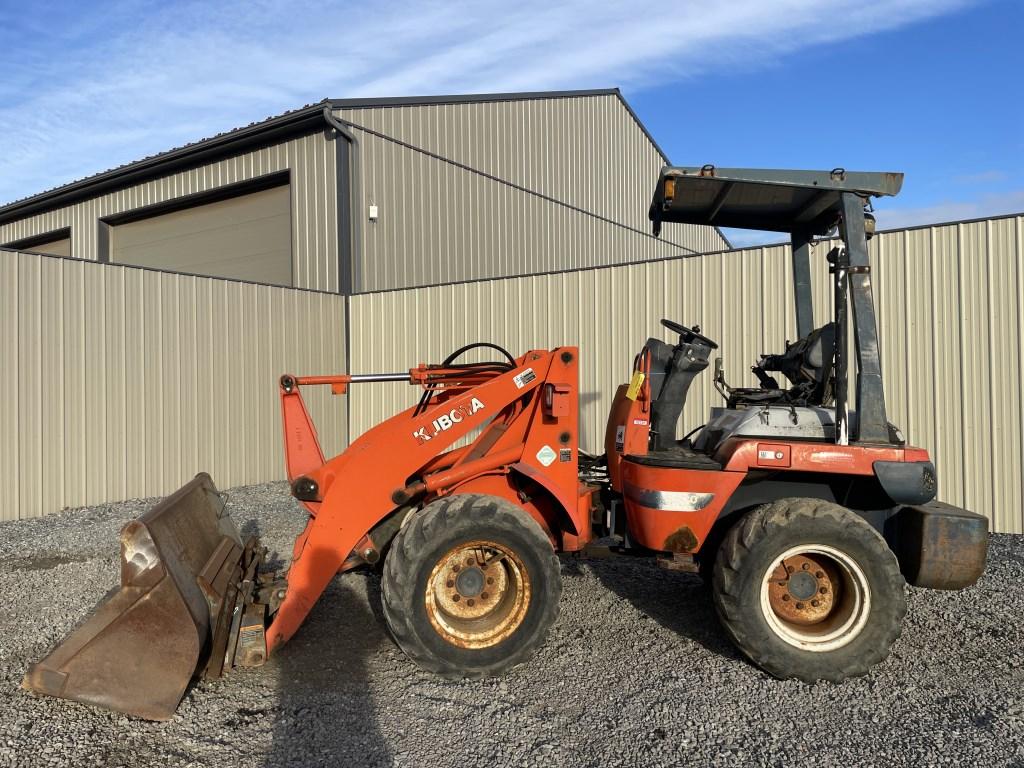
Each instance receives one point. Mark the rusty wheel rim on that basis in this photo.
(478, 594)
(815, 597)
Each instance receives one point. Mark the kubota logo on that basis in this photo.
(447, 420)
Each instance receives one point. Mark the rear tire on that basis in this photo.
(437, 576)
(808, 590)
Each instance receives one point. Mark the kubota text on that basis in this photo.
(448, 420)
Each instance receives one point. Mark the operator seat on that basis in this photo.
(808, 363)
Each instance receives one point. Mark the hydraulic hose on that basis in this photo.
(483, 367)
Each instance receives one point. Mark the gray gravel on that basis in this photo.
(636, 672)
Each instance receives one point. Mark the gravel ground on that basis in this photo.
(635, 672)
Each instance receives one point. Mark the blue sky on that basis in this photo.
(929, 87)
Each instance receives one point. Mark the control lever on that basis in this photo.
(723, 388)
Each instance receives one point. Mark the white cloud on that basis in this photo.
(154, 76)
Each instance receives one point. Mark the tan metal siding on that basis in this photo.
(243, 238)
(587, 151)
(949, 300)
(311, 161)
(129, 381)
(440, 222)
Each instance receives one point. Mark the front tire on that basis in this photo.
(471, 586)
(809, 590)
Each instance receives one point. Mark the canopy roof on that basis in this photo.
(750, 198)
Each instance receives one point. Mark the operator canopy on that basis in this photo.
(774, 200)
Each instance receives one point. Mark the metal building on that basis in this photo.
(330, 197)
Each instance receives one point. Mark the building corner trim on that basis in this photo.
(349, 224)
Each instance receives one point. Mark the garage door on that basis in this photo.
(59, 245)
(244, 238)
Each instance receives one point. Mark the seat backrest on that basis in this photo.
(808, 364)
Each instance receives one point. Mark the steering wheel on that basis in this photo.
(689, 335)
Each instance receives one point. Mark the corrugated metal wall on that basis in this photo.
(311, 161)
(125, 382)
(949, 298)
(440, 222)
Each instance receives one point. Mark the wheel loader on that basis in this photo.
(805, 515)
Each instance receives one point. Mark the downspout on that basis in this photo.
(355, 197)
(355, 235)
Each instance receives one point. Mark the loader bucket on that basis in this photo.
(145, 642)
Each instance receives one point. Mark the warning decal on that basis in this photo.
(524, 378)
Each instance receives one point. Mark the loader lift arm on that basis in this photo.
(527, 413)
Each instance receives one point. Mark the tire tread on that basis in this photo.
(401, 566)
(736, 551)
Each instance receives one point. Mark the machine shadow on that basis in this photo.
(325, 709)
(677, 601)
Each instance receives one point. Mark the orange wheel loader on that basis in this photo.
(807, 517)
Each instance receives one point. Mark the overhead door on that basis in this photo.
(247, 237)
(52, 244)
(61, 247)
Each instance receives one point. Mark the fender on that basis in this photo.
(564, 504)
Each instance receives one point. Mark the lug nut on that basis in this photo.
(786, 598)
(455, 597)
(469, 561)
(782, 583)
(789, 568)
(806, 566)
(471, 602)
(490, 580)
(823, 590)
(450, 584)
(799, 606)
(483, 595)
(455, 568)
(819, 574)
(815, 603)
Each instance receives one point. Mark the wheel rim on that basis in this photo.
(477, 594)
(815, 597)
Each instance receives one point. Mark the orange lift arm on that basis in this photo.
(528, 412)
